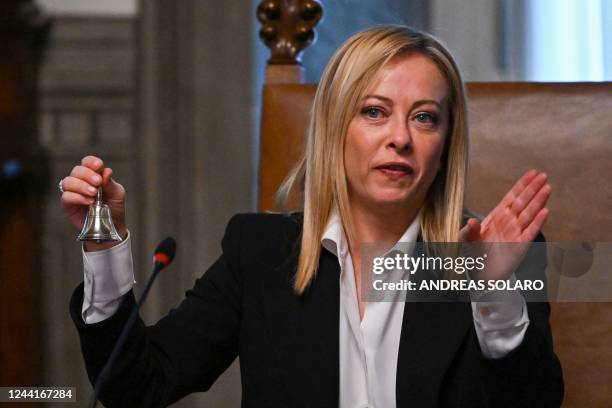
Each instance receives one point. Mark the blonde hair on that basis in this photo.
(319, 182)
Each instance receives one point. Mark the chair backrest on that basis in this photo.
(562, 129)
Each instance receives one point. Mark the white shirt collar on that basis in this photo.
(334, 238)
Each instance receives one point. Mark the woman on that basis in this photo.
(385, 161)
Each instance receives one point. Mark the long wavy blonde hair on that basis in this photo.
(319, 181)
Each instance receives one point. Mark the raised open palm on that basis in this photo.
(511, 226)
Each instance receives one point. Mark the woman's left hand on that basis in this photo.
(517, 219)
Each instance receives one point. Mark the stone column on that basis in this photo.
(472, 34)
(196, 142)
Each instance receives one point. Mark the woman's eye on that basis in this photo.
(426, 118)
(372, 112)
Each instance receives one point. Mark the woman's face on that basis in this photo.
(395, 142)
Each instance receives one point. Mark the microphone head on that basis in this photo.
(164, 253)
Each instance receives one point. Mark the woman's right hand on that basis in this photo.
(80, 189)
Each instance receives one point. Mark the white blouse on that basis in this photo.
(369, 347)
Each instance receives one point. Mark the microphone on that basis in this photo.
(164, 253)
(163, 256)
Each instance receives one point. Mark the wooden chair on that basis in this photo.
(563, 129)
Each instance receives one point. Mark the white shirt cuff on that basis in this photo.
(501, 323)
(108, 275)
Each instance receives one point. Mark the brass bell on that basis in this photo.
(98, 224)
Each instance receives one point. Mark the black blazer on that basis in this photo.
(244, 306)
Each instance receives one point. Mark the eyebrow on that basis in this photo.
(414, 105)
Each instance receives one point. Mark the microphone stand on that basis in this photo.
(123, 336)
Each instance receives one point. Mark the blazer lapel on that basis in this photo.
(431, 334)
(307, 337)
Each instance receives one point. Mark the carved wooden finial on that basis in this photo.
(288, 27)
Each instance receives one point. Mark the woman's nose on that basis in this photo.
(401, 136)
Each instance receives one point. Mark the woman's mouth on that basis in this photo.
(395, 171)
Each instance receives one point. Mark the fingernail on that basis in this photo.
(96, 179)
(91, 190)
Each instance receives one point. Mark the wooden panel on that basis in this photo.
(10, 102)
(285, 114)
(18, 307)
(22, 31)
